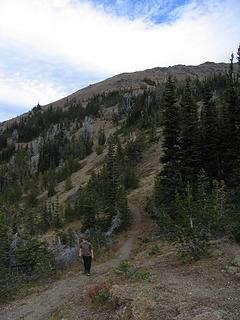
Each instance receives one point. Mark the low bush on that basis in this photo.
(99, 149)
(124, 268)
(154, 250)
(140, 275)
(131, 273)
(124, 314)
(100, 293)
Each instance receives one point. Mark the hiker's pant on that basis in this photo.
(87, 260)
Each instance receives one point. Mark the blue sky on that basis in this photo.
(51, 48)
(155, 11)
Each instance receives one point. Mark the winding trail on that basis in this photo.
(39, 306)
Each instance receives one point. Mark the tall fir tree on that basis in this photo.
(238, 61)
(113, 178)
(169, 179)
(3, 244)
(122, 207)
(231, 155)
(209, 135)
(190, 151)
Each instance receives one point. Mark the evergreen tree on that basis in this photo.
(190, 151)
(231, 154)
(32, 200)
(3, 244)
(168, 181)
(56, 210)
(238, 60)
(35, 256)
(210, 134)
(51, 184)
(170, 124)
(122, 207)
(112, 168)
(101, 137)
(231, 67)
(89, 216)
(68, 184)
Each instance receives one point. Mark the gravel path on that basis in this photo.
(40, 306)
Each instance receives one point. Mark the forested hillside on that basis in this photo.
(47, 187)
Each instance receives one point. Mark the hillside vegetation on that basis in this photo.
(67, 168)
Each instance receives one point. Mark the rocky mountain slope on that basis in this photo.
(141, 79)
(136, 81)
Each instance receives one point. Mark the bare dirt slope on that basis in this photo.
(204, 290)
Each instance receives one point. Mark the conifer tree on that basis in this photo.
(31, 200)
(169, 180)
(210, 141)
(68, 184)
(122, 207)
(112, 177)
(190, 153)
(170, 124)
(231, 155)
(3, 243)
(101, 137)
(238, 60)
(119, 153)
(231, 73)
(89, 209)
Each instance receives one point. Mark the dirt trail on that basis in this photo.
(40, 306)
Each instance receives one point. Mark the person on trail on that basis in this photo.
(86, 252)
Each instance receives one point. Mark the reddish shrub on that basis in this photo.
(93, 292)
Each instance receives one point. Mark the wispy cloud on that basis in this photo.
(8, 111)
(16, 88)
(52, 47)
(154, 11)
(88, 37)
(27, 68)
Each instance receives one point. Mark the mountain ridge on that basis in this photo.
(133, 81)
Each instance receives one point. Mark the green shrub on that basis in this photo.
(124, 268)
(68, 184)
(99, 149)
(35, 257)
(192, 244)
(154, 250)
(59, 313)
(100, 293)
(101, 137)
(139, 275)
(132, 274)
(103, 295)
(130, 179)
(199, 216)
(234, 227)
(124, 313)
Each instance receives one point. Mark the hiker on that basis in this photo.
(86, 252)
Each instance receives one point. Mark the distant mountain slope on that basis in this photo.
(136, 80)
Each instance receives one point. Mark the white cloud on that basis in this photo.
(16, 90)
(91, 39)
(88, 37)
